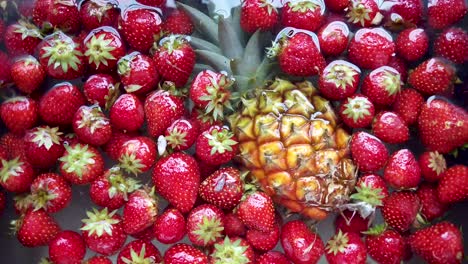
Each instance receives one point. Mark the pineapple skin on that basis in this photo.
(291, 143)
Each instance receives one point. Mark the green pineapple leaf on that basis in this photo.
(198, 43)
(229, 41)
(215, 60)
(202, 22)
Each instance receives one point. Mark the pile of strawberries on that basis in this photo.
(132, 109)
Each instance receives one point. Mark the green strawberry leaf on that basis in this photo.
(202, 22)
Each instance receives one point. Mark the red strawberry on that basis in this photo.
(103, 47)
(177, 178)
(257, 212)
(43, 146)
(14, 145)
(137, 155)
(442, 126)
(452, 44)
(306, 15)
(431, 206)
(103, 231)
(298, 52)
(369, 153)
(19, 114)
(101, 89)
(27, 74)
(453, 186)
(432, 165)
(22, 38)
(373, 181)
(81, 164)
(146, 234)
(205, 225)
(402, 170)
(154, 3)
(233, 226)
(113, 146)
(61, 56)
(300, 244)
(16, 175)
(224, 188)
(371, 48)
(432, 76)
(98, 259)
(258, 15)
(364, 13)
(140, 211)
(390, 128)
(272, 257)
(127, 113)
(161, 109)
(184, 254)
(440, 243)
(232, 250)
(400, 66)
(350, 221)
(169, 227)
(441, 14)
(371, 190)
(63, 15)
(263, 241)
(412, 44)
(50, 192)
(67, 247)
(140, 26)
(203, 121)
(407, 105)
(178, 22)
(384, 245)
(5, 69)
(182, 134)
(216, 146)
(357, 111)
(137, 73)
(333, 38)
(339, 80)
(346, 248)
(96, 14)
(139, 251)
(36, 228)
(91, 126)
(175, 59)
(382, 85)
(400, 210)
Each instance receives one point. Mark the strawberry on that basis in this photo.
(412, 44)
(27, 74)
(432, 165)
(36, 228)
(113, 146)
(16, 175)
(5, 69)
(81, 164)
(384, 245)
(400, 210)
(346, 248)
(232, 250)
(139, 251)
(257, 15)
(452, 44)
(137, 73)
(23, 203)
(390, 128)
(140, 211)
(400, 66)
(337, 6)
(98, 259)
(306, 15)
(373, 181)
(442, 126)
(169, 227)
(357, 111)
(432, 76)
(440, 243)
(402, 13)
(19, 114)
(224, 188)
(364, 13)
(300, 244)
(382, 85)
(257, 212)
(202, 120)
(154, 3)
(408, 105)
(43, 146)
(50, 192)
(161, 109)
(96, 14)
(58, 105)
(101, 89)
(103, 231)
(369, 153)
(298, 52)
(127, 113)
(62, 15)
(103, 47)
(431, 206)
(339, 80)
(140, 26)
(263, 241)
(272, 257)
(177, 178)
(216, 146)
(67, 247)
(22, 38)
(205, 225)
(178, 22)
(371, 48)
(91, 126)
(184, 254)
(14, 145)
(233, 226)
(371, 190)
(441, 14)
(174, 59)
(350, 221)
(182, 134)
(146, 234)
(137, 155)
(402, 170)
(453, 185)
(61, 56)
(333, 38)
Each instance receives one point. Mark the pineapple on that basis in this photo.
(289, 136)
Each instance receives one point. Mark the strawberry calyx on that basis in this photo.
(338, 243)
(173, 42)
(46, 136)
(99, 222)
(10, 168)
(209, 230)
(138, 258)
(437, 162)
(391, 80)
(357, 108)
(112, 95)
(42, 197)
(123, 65)
(305, 6)
(269, 5)
(23, 202)
(228, 251)
(220, 141)
(77, 159)
(369, 195)
(359, 14)
(131, 163)
(45, 261)
(92, 118)
(99, 49)
(61, 52)
(282, 38)
(376, 230)
(121, 184)
(176, 138)
(27, 29)
(217, 96)
(342, 73)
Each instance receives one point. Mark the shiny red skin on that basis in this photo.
(161, 109)
(41, 156)
(351, 222)
(140, 27)
(441, 14)
(402, 170)
(432, 76)
(201, 83)
(412, 44)
(204, 122)
(98, 260)
(138, 73)
(58, 105)
(272, 257)
(106, 244)
(362, 122)
(19, 114)
(371, 48)
(369, 153)
(372, 9)
(374, 181)
(169, 227)
(337, 6)
(101, 89)
(309, 19)
(452, 44)
(233, 226)
(139, 212)
(263, 241)
(63, 15)
(27, 74)
(257, 212)
(390, 128)
(182, 125)
(374, 85)
(151, 252)
(296, 239)
(184, 254)
(331, 90)
(431, 206)
(92, 170)
(37, 228)
(223, 188)
(5, 69)
(53, 184)
(254, 17)
(127, 113)
(91, 126)
(109, 34)
(453, 187)
(407, 13)
(203, 148)
(354, 252)
(113, 146)
(94, 15)
(22, 181)
(197, 216)
(17, 44)
(400, 209)
(430, 172)
(14, 145)
(408, 105)
(67, 247)
(387, 247)
(146, 234)
(144, 150)
(178, 22)
(400, 66)
(100, 188)
(333, 38)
